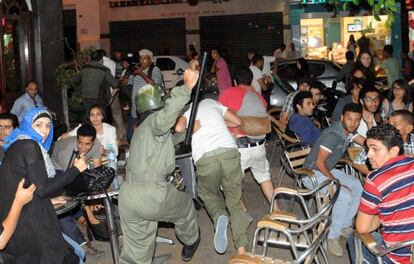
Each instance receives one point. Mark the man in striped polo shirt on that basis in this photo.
(387, 203)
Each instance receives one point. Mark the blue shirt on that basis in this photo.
(304, 128)
(25, 103)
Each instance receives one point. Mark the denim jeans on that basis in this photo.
(68, 227)
(368, 257)
(76, 247)
(346, 206)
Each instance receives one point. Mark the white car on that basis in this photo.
(172, 68)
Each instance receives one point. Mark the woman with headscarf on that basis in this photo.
(38, 238)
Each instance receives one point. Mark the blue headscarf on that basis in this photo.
(25, 129)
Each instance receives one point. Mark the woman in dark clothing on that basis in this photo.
(38, 239)
(303, 68)
(365, 61)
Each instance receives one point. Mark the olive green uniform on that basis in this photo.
(145, 197)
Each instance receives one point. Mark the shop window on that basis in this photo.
(165, 64)
(316, 69)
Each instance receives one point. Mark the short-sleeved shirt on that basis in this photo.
(389, 194)
(213, 132)
(304, 128)
(363, 127)
(63, 149)
(392, 68)
(245, 102)
(334, 140)
(223, 74)
(257, 75)
(138, 82)
(288, 105)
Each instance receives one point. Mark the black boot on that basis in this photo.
(188, 251)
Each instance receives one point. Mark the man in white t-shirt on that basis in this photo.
(115, 105)
(218, 164)
(261, 81)
(369, 98)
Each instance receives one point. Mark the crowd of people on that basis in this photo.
(375, 117)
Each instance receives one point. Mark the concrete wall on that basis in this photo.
(91, 11)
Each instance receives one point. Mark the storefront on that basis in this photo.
(322, 35)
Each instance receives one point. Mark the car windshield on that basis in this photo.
(283, 85)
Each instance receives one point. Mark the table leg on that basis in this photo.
(113, 233)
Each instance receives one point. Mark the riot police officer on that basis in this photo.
(146, 198)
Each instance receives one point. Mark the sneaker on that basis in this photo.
(335, 247)
(220, 236)
(346, 232)
(188, 251)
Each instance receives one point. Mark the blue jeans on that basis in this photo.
(68, 227)
(346, 206)
(366, 254)
(78, 249)
(131, 127)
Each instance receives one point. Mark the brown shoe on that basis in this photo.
(91, 251)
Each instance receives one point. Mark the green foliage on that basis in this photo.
(65, 72)
(388, 6)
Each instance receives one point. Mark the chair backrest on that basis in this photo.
(280, 132)
(294, 156)
(319, 227)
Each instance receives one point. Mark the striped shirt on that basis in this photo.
(389, 193)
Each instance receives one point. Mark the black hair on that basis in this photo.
(86, 130)
(352, 81)
(243, 75)
(117, 50)
(406, 115)
(352, 107)
(366, 90)
(403, 84)
(304, 70)
(317, 85)
(103, 52)
(299, 99)
(283, 46)
(389, 49)
(96, 56)
(251, 50)
(256, 58)
(100, 109)
(358, 63)
(11, 117)
(349, 55)
(388, 135)
(29, 82)
(306, 79)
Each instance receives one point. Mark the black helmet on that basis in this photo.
(150, 97)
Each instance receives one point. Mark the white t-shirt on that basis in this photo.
(363, 128)
(213, 132)
(257, 74)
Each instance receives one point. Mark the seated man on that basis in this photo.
(325, 153)
(84, 143)
(388, 198)
(304, 85)
(403, 121)
(8, 123)
(300, 124)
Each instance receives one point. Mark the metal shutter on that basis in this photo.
(238, 33)
(156, 35)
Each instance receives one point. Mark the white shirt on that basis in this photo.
(213, 132)
(107, 138)
(257, 74)
(363, 128)
(111, 65)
